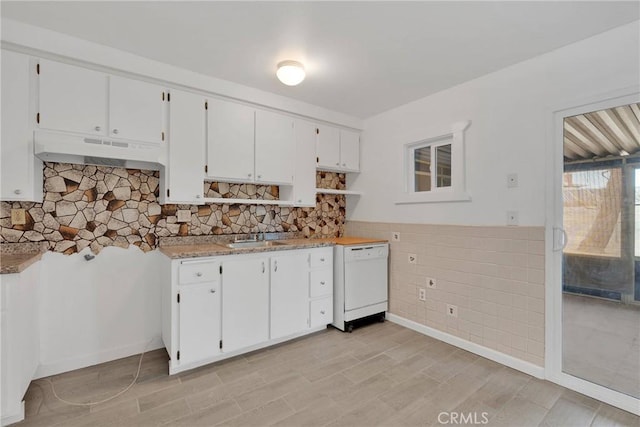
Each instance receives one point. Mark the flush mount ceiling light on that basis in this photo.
(290, 73)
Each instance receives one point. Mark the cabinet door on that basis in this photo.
(245, 302)
(72, 99)
(289, 294)
(20, 168)
(199, 314)
(275, 148)
(230, 128)
(136, 110)
(328, 147)
(304, 180)
(186, 147)
(349, 150)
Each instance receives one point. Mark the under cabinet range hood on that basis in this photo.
(97, 150)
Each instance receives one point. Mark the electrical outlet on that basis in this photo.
(18, 217)
(512, 180)
(395, 236)
(422, 294)
(512, 217)
(452, 310)
(413, 258)
(431, 283)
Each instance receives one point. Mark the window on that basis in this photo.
(424, 179)
(434, 168)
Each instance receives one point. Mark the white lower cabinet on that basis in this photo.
(219, 307)
(245, 301)
(199, 325)
(289, 308)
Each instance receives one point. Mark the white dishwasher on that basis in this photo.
(360, 283)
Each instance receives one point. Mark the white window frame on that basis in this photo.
(457, 191)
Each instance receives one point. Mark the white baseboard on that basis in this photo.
(66, 365)
(13, 418)
(496, 356)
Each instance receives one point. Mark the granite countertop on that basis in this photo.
(16, 257)
(193, 250)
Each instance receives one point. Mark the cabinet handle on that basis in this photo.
(17, 191)
(98, 128)
(197, 196)
(263, 266)
(344, 164)
(321, 259)
(321, 311)
(213, 291)
(199, 274)
(259, 176)
(249, 175)
(275, 265)
(299, 200)
(322, 283)
(115, 131)
(338, 164)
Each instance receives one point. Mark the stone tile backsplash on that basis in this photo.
(98, 206)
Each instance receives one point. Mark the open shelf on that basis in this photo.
(229, 201)
(331, 191)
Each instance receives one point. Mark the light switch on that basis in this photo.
(18, 217)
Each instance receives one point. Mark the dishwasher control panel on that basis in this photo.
(358, 253)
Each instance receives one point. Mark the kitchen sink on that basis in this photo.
(252, 244)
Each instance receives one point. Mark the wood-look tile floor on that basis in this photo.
(381, 374)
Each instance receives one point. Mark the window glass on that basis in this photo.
(443, 164)
(593, 211)
(422, 168)
(637, 200)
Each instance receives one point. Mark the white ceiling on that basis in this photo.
(362, 58)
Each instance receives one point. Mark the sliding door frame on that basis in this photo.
(554, 242)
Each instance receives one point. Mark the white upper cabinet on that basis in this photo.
(72, 99)
(304, 184)
(21, 170)
(275, 148)
(78, 100)
(328, 148)
(349, 151)
(135, 110)
(338, 149)
(230, 142)
(184, 183)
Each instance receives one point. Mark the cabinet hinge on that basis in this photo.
(206, 168)
(220, 269)
(38, 118)
(317, 131)
(178, 355)
(167, 192)
(220, 344)
(163, 136)
(206, 105)
(317, 159)
(178, 298)
(37, 68)
(163, 96)
(169, 97)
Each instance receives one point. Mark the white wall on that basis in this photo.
(98, 310)
(511, 111)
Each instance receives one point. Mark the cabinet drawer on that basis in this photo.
(321, 283)
(321, 311)
(199, 272)
(321, 258)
